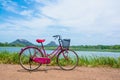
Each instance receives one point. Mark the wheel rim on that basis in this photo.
(26, 58)
(67, 60)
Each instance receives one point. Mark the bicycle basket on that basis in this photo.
(66, 43)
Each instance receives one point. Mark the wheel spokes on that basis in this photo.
(26, 58)
(67, 60)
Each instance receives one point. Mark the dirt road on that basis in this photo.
(15, 72)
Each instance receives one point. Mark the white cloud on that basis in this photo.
(87, 15)
(27, 29)
(9, 5)
(34, 23)
(91, 19)
(26, 12)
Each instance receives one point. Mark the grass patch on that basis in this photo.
(13, 58)
(9, 58)
(99, 61)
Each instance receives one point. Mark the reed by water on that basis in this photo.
(9, 58)
(13, 58)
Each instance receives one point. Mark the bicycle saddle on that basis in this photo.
(40, 40)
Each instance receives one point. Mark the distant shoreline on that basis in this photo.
(83, 48)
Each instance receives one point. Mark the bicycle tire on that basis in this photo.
(67, 60)
(25, 58)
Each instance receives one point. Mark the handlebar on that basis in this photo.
(59, 38)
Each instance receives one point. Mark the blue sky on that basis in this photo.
(85, 22)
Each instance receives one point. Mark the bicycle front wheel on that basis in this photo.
(67, 60)
(26, 56)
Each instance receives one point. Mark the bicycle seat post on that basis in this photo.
(43, 49)
(42, 46)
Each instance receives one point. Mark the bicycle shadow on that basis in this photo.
(40, 70)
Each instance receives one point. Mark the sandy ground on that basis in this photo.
(16, 72)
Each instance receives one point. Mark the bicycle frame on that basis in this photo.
(54, 53)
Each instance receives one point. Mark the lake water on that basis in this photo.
(80, 53)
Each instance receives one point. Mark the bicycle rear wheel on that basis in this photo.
(67, 60)
(26, 56)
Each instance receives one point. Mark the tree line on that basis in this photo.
(6, 44)
(97, 46)
(80, 47)
(106, 48)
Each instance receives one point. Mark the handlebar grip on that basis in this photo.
(57, 36)
(54, 36)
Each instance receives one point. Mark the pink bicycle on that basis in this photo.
(32, 57)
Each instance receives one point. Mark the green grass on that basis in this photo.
(9, 58)
(13, 58)
(99, 61)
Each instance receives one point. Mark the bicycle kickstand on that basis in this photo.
(46, 65)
